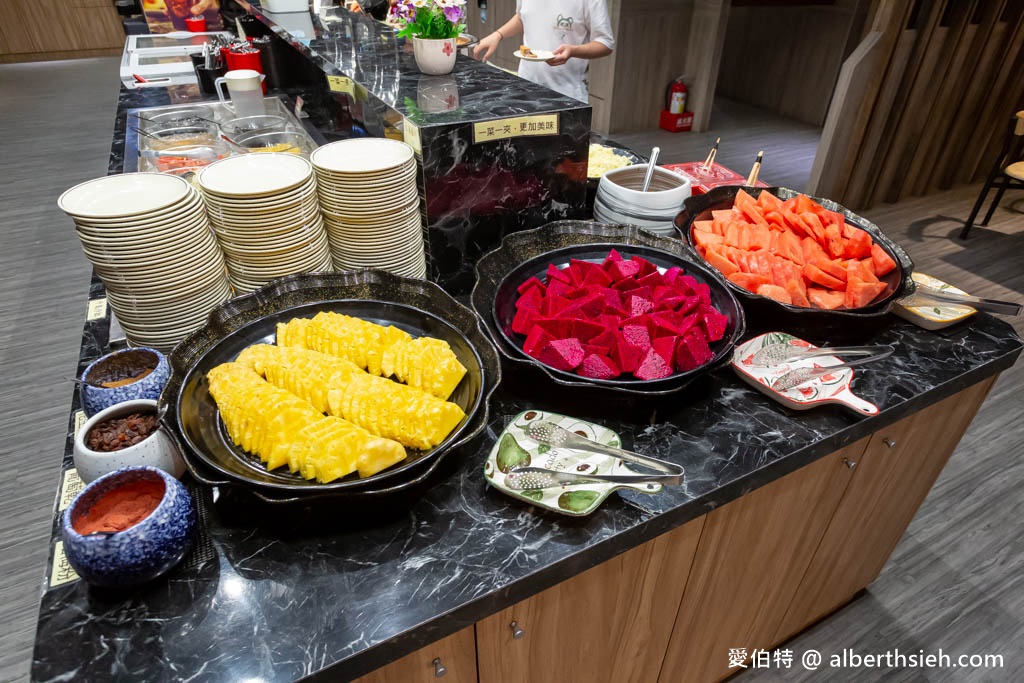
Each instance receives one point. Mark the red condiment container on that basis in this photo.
(196, 24)
(244, 60)
(702, 179)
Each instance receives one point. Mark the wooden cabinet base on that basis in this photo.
(748, 575)
(452, 659)
(610, 623)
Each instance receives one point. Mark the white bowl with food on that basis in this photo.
(125, 435)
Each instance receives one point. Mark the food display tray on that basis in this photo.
(135, 143)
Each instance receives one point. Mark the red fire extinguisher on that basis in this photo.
(675, 97)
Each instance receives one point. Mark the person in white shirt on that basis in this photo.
(574, 30)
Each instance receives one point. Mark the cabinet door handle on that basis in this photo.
(517, 633)
(849, 463)
(439, 668)
(889, 442)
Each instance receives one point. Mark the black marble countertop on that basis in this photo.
(368, 52)
(258, 601)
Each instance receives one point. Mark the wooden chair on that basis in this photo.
(1007, 172)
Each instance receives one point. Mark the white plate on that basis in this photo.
(126, 194)
(403, 173)
(144, 242)
(302, 191)
(542, 55)
(189, 206)
(255, 175)
(362, 155)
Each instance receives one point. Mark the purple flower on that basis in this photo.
(453, 14)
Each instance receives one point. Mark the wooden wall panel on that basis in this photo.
(793, 76)
(932, 112)
(650, 42)
(40, 29)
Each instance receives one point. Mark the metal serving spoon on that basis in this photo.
(545, 432)
(798, 376)
(522, 478)
(776, 354)
(650, 169)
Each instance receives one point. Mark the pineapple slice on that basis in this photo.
(425, 363)
(295, 433)
(394, 411)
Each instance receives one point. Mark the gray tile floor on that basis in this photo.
(955, 582)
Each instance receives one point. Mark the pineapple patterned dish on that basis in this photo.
(336, 411)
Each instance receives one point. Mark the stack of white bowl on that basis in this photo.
(264, 210)
(370, 204)
(621, 199)
(148, 239)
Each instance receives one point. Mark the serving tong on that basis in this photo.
(777, 354)
(550, 434)
(798, 376)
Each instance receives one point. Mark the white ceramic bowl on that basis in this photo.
(667, 192)
(157, 450)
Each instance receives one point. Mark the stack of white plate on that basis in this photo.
(370, 204)
(147, 237)
(264, 210)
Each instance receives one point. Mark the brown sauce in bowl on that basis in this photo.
(119, 433)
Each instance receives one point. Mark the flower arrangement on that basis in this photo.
(430, 19)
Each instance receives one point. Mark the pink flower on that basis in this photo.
(447, 49)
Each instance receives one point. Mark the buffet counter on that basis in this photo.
(782, 518)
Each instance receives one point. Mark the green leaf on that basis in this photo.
(535, 494)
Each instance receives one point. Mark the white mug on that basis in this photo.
(246, 88)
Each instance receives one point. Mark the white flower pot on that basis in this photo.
(434, 56)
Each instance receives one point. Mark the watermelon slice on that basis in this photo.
(883, 262)
(860, 294)
(823, 298)
(775, 292)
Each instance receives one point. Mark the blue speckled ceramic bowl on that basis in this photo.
(137, 554)
(121, 365)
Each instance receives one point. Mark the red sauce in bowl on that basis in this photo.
(121, 508)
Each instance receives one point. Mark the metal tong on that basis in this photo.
(776, 354)
(548, 433)
(798, 376)
(924, 294)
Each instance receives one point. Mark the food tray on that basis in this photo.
(135, 143)
(766, 314)
(186, 408)
(494, 293)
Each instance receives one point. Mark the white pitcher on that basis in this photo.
(246, 88)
